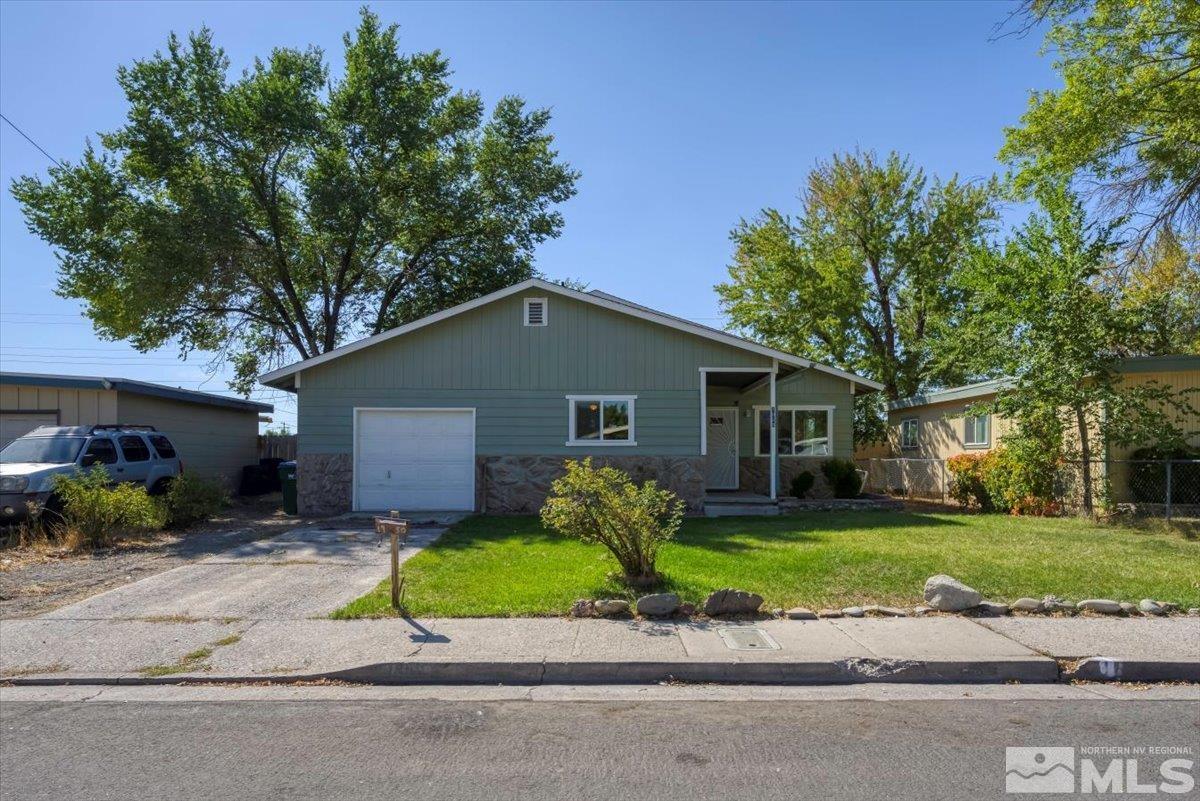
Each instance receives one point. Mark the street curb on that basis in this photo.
(1103, 668)
(1032, 670)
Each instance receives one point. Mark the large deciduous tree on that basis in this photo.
(281, 212)
(1126, 123)
(1043, 312)
(860, 277)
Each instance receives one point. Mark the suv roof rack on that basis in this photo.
(122, 427)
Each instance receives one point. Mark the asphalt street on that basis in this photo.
(187, 743)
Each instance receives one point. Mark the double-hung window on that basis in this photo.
(600, 419)
(802, 431)
(910, 433)
(977, 430)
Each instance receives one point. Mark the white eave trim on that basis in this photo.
(585, 297)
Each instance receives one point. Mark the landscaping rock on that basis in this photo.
(885, 611)
(1128, 608)
(658, 605)
(800, 613)
(853, 611)
(948, 594)
(1101, 605)
(1194, 612)
(830, 613)
(992, 609)
(611, 606)
(1149, 606)
(777, 612)
(1027, 605)
(583, 608)
(1168, 606)
(922, 611)
(1052, 603)
(729, 601)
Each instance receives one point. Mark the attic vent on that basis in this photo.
(535, 311)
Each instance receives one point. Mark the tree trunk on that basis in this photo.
(1085, 454)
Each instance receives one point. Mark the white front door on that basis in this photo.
(414, 459)
(722, 460)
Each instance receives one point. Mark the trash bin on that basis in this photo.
(287, 479)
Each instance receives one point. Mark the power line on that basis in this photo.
(30, 141)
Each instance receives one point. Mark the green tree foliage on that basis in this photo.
(604, 506)
(282, 212)
(860, 278)
(1160, 294)
(1127, 119)
(1042, 313)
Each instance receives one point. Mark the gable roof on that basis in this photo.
(603, 300)
(135, 387)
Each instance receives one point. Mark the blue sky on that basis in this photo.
(682, 118)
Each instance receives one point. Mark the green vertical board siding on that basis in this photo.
(517, 378)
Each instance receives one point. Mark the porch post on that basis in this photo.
(703, 412)
(774, 434)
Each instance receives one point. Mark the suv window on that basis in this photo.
(163, 445)
(100, 451)
(134, 448)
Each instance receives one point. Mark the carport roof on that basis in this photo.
(129, 385)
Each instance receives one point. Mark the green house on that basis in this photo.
(476, 407)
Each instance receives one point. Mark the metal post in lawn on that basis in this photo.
(1168, 489)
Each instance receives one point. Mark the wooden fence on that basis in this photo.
(277, 446)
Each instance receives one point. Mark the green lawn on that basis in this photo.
(506, 566)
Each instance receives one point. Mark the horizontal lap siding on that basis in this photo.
(518, 377)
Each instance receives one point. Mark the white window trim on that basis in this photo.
(916, 421)
(601, 443)
(794, 408)
(545, 312)
(968, 425)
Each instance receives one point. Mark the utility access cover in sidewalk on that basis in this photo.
(747, 639)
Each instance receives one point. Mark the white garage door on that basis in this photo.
(17, 425)
(414, 459)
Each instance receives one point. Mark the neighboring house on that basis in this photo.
(215, 436)
(477, 407)
(934, 426)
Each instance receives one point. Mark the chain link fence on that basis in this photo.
(1154, 488)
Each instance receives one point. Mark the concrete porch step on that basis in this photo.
(738, 503)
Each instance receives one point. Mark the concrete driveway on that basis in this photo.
(307, 572)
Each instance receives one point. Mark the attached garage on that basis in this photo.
(408, 458)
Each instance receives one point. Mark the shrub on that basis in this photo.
(190, 499)
(94, 512)
(843, 477)
(801, 483)
(1148, 475)
(1019, 478)
(968, 487)
(604, 506)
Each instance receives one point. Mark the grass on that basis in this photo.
(192, 661)
(505, 566)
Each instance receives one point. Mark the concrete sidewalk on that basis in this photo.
(535, 651)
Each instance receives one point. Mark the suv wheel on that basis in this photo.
(160, 487)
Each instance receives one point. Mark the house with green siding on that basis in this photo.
(477, 407)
